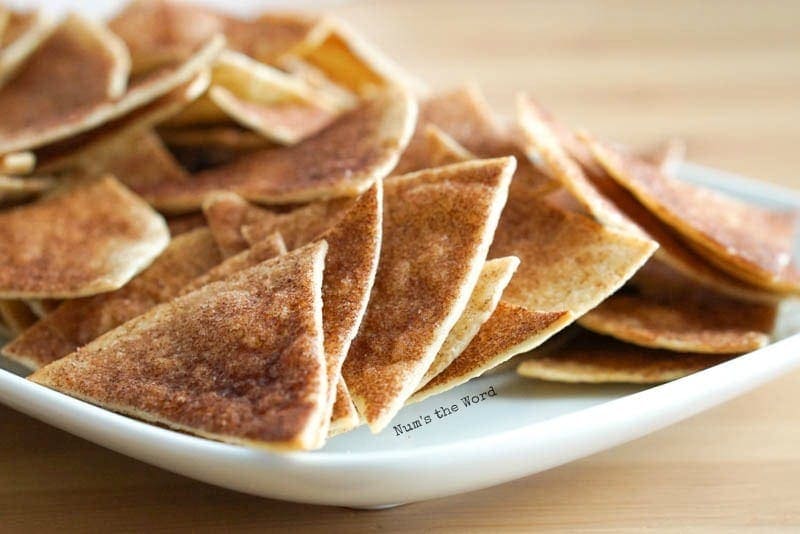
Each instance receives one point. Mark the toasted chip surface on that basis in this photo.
(16, 316)
(343, 160)
(77, 322)
(88, 238)
(22, 34)
(226, 213)
(13, 189)
(209, 363)
(509, 331)
(598, 359)
(345, 416)
(495, 276)
(437, 228)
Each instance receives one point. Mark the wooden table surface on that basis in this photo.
(723, 75)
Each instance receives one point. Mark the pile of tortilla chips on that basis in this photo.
(265, 232)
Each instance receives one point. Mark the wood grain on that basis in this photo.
(725, 76)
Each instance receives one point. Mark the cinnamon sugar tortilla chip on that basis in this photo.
(271, 247)
(180, 224)
(41, 307)
(16, 316)
(345, 416)
(229, 137)
(226, 214)
(93, 68)
(77, 322)
(13, 189)
(88, 237)
(239, 360)
(21, 36)
(438, 225)
(336, 96)
(68, 118)
(495, 276)
(597, 359)
(17, 163)
(751, 243)
(465, 115)
(510, 330)
(570, 162)
(699, 322)
(439, 149)
(568, 262)
(343, 160)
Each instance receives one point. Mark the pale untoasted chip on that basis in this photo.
(77, 322)
(81, 116)
(161, 31)
(343, 160)
(612, 205)
(22, 34)
(699, 323)
(89, 237)
(13, 189)
(239, 360)
(438, 225)
(495, 276)
(17, 163)
(350, 61)
(749, 242)
(597, 359)
(511, 330)
(465, 115)
(93, 69)
(336, 96)
(16, 316)
(568, 262)
(267, 249)
(226, 214)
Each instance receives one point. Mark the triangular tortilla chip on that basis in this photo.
(597, 359)
(180, 224)
(14, 189)
(343, 160)
(21, 36)
(699, 323)
(87, 150)
(226, 214)
(438, 150)
(570, 162)
(336, 96)
(438, 225)
(271, 247)
(350, 61)
(77, 322)
(89, 237)
(93, 68)
(511, 330)
(749, 242)
(161, 31)
(239, 360)
(345, 416)
(45, 128)
(465, 115)
(41, 307)
(568, 261)
(216, 137)
(16, 316)
(17, 163)
(495, 276)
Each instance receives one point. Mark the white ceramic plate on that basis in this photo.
(524, 428)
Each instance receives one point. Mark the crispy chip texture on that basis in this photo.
(210, 364)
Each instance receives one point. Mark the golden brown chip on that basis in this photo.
(568, 262)
(66, 118)
(41, 307)
(16, 316)
(699, 322)
(92, 69)
(597, 359)
(21, 36)
(239, 360)
(343, 160)
(226, 214)
(77, 322)
(180, 224)
(439, 149)
(267, 249)
(495, 276)
(229, 137)
(17, 163)
(89, 237)
(749, 242)
(438, 225)
(345, 416)
(612, 205)
(465, 115)
(14, 189)
(511, 330)
(336, 96)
